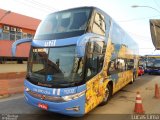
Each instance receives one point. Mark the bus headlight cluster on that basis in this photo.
(27, 89)
(73, 96)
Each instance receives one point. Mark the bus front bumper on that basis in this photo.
(74, 107)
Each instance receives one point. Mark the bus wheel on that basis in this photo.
(108, 94)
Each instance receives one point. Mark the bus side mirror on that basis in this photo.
(18, 42)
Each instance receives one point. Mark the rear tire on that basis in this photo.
(108, 94)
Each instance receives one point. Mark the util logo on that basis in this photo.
(50, 43)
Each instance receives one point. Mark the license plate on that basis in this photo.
(43, 106)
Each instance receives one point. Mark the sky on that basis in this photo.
(135, 21)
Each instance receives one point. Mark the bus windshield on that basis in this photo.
(57, 67)
(153, 62)
(63, 24)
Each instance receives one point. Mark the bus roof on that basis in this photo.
(90, 7)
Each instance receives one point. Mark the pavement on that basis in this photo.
(8, 68)
(11, 79)
(11, 86)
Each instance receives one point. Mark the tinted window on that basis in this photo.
(130, 64)
(18, 35)
(63, 24)
(6, 36)
(120, 65)
(99, 26)
(12, 35)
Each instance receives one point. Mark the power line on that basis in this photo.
(141, 38)
(146, 48)
(145, 37)
(42, 5)
(33, 6)
(156, 3)
(135, 19)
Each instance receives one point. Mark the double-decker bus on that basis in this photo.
(152, 64)
(78, 59)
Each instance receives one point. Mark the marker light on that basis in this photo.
(73, 96)
(27, 89)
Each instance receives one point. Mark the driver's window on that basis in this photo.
(39, 56)
(78, 66)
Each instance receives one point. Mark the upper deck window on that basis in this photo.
(64, 24)
(99, 26)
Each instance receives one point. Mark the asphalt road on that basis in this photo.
(121, 105)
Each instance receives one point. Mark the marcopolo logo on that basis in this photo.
(50, 43)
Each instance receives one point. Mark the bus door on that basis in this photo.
(94, 74)
(95, 53)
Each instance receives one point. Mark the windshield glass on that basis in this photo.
(57, 67)
(153, 62)
(63, 24)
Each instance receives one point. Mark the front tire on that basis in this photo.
(108, 94)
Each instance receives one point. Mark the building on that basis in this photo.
(14, 26)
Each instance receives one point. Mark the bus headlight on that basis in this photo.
(27, 89)
(73, 96)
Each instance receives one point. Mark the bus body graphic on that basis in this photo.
(79, 58)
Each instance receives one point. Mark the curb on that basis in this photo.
(12, 84)
(12, 75)
(4, 96)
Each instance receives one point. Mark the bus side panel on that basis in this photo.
(123, 76)
(121, 80)
(95, 92)
(119, 48)
(123, 60)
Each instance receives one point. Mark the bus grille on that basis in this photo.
(45, 97)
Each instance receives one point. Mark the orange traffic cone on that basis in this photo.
(157, 95)
(138, 104)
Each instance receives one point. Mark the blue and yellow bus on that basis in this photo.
(78, 59)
